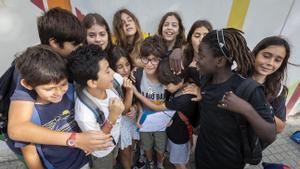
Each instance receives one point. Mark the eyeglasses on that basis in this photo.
(154, 61)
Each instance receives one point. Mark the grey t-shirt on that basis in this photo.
(151, 90)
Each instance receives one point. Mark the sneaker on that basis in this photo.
(160, 166)
(150, 165)
(140, 165)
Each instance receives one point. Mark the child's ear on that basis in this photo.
(91, 83)
(25, 84)
(53, 43)
(221, 61)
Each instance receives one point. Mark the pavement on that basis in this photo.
(283, 150)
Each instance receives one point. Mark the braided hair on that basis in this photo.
(231, 44)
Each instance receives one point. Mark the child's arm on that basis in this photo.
(21, 128)
(127, 84)
(148, 103)
(139, 116)
(264, 130)
(31, 157)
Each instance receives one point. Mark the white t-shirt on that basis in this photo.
(87, 121)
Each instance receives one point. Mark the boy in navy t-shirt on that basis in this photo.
(45, 72)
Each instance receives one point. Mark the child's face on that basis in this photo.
(170, 28)
(123, 67)
(128, 23)
(105, 76)
(197, 37)
(97, 35)
(172, 88)
(66, 49)
(269, 60)
(206, 62)
(150, 64)
(51, 92)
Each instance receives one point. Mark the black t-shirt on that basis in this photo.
(219, 140)
(178, 131)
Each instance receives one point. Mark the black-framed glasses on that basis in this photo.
(154, 61)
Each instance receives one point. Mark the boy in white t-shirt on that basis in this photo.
(90, 69)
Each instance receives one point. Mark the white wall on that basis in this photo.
(264, 18)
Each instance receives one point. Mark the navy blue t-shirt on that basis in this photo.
(59, 117)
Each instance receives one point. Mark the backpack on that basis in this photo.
(7, 87)
(138, 74)
(251, 144)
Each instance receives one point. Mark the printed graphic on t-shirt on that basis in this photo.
(64, 122)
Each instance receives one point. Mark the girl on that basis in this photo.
(172, 30)
(219, 141)
(120, 63)
(271, 58)
(128, 34)
(97, 31)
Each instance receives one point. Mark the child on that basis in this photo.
(152, 50)
(128, 34)
(97, 31)
(120, 63)
(178, 132)
(219, 141)
(62, 31)
(271, 58)
(45, 72)
(90, 69)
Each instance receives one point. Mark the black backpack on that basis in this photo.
(7, 87)
(252, 145)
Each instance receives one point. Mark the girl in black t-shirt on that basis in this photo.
(219, 141)
(271, 58)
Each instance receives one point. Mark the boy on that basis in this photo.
(63, 32)
(90, 69)
(152, 50)
(45, 72)
(178, 131)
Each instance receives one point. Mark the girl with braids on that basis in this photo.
(219, 141)
(97, 32)
(128, 34)
(271, 58)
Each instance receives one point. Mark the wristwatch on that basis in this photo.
(71, 140)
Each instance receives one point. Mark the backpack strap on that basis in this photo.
(91, 105)
(138, 78)
(117, 88)
(36, 119)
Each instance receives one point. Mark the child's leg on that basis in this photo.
(31, 157)
(126, 157)
(147, 144)
(160, 140)
(179, 154)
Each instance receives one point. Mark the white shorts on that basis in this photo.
(179, 153)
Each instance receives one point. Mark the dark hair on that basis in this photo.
(273, 81)
(95, 19)
(189, 50)
(83, 63)
(40, 65)
(61, 25)
(121, 39)
(234, 48)
(180, 39)
(117, 53)
(153, 45)
(166, 76)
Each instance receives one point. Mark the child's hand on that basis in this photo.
(132, 113)
(116, 107)
(127, 84)
(233, 103)
(193, 89)
(132, 78)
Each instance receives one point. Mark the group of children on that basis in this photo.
(169, 85)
